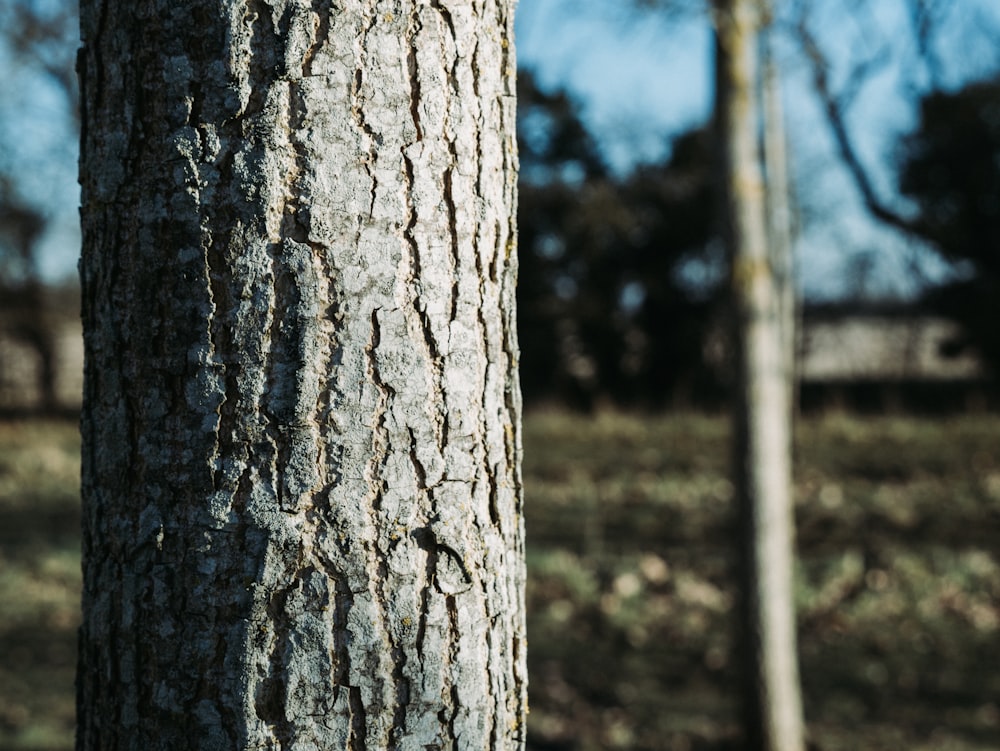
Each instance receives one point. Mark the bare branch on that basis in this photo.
(861, 74)
(923, 17)
(835, 108)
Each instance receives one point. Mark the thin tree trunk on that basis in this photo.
(779, 215)
(301, 488)
(761, 420)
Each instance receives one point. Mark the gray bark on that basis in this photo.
(301, 488)
(762, 425)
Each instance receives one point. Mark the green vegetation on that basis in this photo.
(630, 539)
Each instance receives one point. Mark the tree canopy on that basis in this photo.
(950, 168)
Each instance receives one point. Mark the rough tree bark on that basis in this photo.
(762, 424)
(302, 502)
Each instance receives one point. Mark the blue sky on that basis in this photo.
(641, 81)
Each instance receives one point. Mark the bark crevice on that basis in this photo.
(413, 32)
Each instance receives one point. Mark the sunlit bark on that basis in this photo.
(302, 502)
(762, 426)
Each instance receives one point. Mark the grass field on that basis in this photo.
(630, 541)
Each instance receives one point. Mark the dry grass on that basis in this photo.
(631, 605)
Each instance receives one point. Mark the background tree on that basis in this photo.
(558, 160)
(951, 170)
(944, 165)
(617, 283)
(677, 273)
(762, 409)
(301, 490)
(917, 53)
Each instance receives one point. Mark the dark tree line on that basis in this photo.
(619, 275)
(29, 309)
(951, 171)
(620, 284)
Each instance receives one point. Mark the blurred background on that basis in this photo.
(892, 120)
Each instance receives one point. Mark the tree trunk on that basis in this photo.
(301, 488)
(779, 215)
(762, 412)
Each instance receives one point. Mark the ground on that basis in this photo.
(631, 606)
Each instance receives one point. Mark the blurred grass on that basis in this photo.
(630, 553)
(39, 583)
(630, 541)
